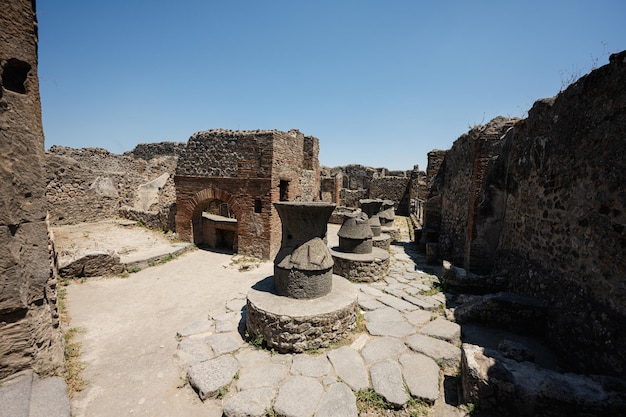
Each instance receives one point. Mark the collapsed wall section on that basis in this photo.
(30, 335)
(91, 184)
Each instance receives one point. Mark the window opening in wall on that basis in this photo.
(284, 186)
(14, 75)
(257, 206)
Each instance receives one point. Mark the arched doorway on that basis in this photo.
(214, 225)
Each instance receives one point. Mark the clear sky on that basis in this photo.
(380, 83)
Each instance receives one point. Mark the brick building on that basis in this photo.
(226, 182)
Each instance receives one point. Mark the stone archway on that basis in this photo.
(189, 217)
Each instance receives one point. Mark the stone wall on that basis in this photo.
(91, 184)
(562, 201)
(460, 183)
(545, 208)
(30, 335)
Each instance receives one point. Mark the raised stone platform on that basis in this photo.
(382, 241)
(297, 325)
(361, 267)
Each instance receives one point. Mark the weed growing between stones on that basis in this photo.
(133, 269)
(270, 412)
(73, 365)
(222, 391)
(369, 400)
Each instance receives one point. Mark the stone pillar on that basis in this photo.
(303, 267)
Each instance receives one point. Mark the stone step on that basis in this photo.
(24, 394)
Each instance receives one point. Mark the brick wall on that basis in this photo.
(264, 161)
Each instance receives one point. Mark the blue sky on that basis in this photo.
(380, 83)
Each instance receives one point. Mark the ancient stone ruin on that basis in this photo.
(346, 185)
(303, 306)
(238, 175)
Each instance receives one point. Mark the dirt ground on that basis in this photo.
(129, 327)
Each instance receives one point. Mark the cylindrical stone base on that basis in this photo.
(382, 241)
(392, 231)
(355, 245)
(291, 325)
(296, 283)
(361, 267)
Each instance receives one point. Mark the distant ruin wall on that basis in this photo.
(90, 184)
(30, 335)
(346, 185)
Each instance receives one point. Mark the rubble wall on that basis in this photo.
(91, 184)
(30, 335)
(560, 186)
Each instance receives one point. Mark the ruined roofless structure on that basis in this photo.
(226, 182)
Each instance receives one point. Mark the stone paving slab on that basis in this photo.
(396, 303)
(197, 328)
(387, 381)
(422, 301)
(236, 304)
(250, 403)
(208, 377)
(298, 397)
(421, 375)
(194, 350)
(350, 367)
(264, 375)
(441, 328)
(418, 317)
(382, 348)
(338, 401)
(313, 366)
(49, 398)
(372, 291)
(15, 394)
(441, 351)
(369, 305)
(222, 343)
